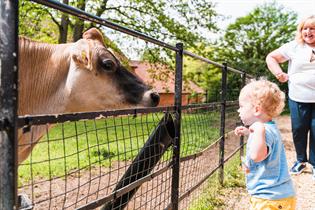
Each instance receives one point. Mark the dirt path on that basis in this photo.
(304, 185)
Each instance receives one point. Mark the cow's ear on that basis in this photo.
(94, 34)
(81, 58)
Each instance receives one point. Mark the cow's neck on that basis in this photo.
(42, 73)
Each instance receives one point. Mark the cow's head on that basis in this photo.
(98, 81)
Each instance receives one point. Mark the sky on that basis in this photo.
(238, 8)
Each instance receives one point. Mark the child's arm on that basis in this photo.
(259, 149)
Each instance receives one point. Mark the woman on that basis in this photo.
(300, 54)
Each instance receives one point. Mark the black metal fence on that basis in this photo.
(150, 158)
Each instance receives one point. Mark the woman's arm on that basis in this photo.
(273, 60)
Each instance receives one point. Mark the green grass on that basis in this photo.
(198, 131)
(79, 145)
(213, 195)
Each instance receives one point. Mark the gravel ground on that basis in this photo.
(304, 184)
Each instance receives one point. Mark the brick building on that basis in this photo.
(162, 79)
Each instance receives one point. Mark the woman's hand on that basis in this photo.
(282, 77)
(241, 131)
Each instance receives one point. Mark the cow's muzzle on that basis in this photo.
(151, 98)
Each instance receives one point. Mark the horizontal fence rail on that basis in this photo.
(59, 118)
(143, 158)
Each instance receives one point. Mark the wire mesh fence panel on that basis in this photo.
(234, 85)
(199, 149)
(232, 142)
(232, 116)
(200, 155)
(195, 172)
(155, 194)
(200, 128)
(77, 162)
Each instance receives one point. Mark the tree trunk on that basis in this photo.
(63, 28)
(79, 24)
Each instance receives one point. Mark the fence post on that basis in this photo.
(8, 102)
(222, 127)
(242, 137)
(176, 146)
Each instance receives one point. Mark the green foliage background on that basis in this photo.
(244, 44)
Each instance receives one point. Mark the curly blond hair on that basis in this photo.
(267, 95)
(309, 21)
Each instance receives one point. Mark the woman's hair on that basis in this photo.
(310, 21)
(265, 94)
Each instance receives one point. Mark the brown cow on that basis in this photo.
(73, 77)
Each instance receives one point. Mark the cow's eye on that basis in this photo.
(108, 65)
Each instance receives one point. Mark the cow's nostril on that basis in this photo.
(155, 98)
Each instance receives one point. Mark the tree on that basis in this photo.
(63, 26)
(247, 42)
(35, 22)
(173, 21)
(207, 76)
(244, 46)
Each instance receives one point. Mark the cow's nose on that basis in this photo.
(155, 98)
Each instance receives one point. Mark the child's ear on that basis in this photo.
(257, 111)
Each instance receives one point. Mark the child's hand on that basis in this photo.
(241, 131)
